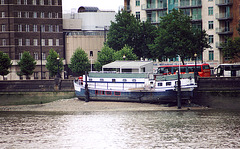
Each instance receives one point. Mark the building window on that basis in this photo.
(50, 42)
(19, 14)
(25, 2)
(20, 56)
(27, 28)
(3, 28)
(43, 42)
(43, 28)
(27, 42)
(34, 2)
(2, 2)
(35, 28)
(34, 14)
(57, 28)
(35, 55)
(56, 2)
(3, 14)
(211, 55)
(42, 15)
(210, 24)
(57, 42)
(4, 42)
(49, 2)
(50, 15)
(35, 42)
(137, 2)
(138, 15)
(41, 2)
(44, 56)
(210, 11)
(56, 15)
(26, 14)
(210, 38)
(91, 53)
(19, 2)
(50, 28)
(20, 27)
(19, 42)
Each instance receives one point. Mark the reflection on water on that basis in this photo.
(158, 129)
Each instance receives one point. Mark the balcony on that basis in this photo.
(146, 7)
(224, 2)
(187, 4)
(224, 31)
(127, 8)
(224, 16)
(197, 17)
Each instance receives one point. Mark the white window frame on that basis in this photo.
(3, 27)
(34, 14)
(27, 28)
(20, 42)
(35, 42)
(57, 42)
(43, 42)
(4, 42)
(50, 42)
(28, 42)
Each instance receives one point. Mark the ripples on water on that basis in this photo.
(171, 129)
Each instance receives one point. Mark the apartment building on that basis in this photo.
(218, 17)
(34, 26)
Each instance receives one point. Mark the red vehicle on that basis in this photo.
(202, 69)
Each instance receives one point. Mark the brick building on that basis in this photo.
(34, 26)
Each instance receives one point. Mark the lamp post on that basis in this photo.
(195, 69)
(58, 76)
(124, 57)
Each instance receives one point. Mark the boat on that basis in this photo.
(133, 87)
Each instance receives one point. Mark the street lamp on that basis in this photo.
(58, 76)
(124, 57)
(195, 69)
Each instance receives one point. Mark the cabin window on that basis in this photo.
(99, 92)
(90, 79)
(108, 93)
(159, 84)
(168, 83)
(117, 93)
(101, 79)
(113, 80)
(124, 80)
(134, 80)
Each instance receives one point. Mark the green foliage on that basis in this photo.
(5, 64)
(53, 64)
(231, 48)
(127, 52)
(27, 64)
(177, 37)
(79, 62)
(127, 30)
(108, 55)
(105, 56)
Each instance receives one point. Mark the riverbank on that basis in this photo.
(75, 105)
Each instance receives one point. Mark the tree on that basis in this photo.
(27, 64)
(5, 64)
(176, 36)
(127, 52)
(127, 30)
(79, 62)
(105, 56)
(231, 48)
(54, 65)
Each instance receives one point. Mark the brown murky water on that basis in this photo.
(120, 130)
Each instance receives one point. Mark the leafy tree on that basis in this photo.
(127, 52)
(231, 48)
(53, 64)
(5, 64)
(176, 36)
(127, 30)
(105, 56)
(79, 62)
(27, 64)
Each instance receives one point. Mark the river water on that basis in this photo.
(120, 130)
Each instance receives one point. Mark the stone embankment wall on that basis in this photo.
(34, 91)
(221, 92)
